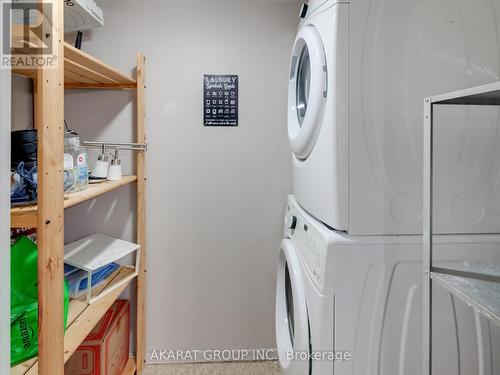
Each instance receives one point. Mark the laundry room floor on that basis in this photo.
(240, 368)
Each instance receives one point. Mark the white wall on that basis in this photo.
(22, 103)
(215, 195)
(5, 120)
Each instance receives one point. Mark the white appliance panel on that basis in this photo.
(321, 181)
(383, 57)
(363, 296)
(401, 52)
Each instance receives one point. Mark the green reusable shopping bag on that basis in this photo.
(24, 300)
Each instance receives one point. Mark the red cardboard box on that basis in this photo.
(105, 351)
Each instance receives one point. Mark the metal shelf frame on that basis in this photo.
(477, 286)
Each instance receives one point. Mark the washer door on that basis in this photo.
(292, 326)
(307, 91)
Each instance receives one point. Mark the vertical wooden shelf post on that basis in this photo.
(141, 216)
(49, 119)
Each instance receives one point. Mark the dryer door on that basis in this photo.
(307, 91)
(292, 325)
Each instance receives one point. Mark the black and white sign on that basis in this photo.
(220, 99)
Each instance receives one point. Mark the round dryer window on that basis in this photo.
(303, 84)
(307, 91)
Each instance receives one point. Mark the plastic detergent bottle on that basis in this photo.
(76, 175)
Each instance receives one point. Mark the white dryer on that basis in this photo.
(353, 305)
(359, 73)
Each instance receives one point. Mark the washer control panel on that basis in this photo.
(309, 242)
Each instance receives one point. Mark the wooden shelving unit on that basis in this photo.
(131, 367)
(75, 70)
(27, 216)
(82, 71)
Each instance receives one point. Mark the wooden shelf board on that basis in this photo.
(96, 86)
(27, 73)
(27, 216)
(82, 71)
(82, 318)
(130, 367)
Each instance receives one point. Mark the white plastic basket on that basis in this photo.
(91, 253)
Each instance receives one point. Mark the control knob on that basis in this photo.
(291, 222)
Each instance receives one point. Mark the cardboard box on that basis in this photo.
(105, 351)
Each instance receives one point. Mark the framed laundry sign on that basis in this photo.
(220, 100)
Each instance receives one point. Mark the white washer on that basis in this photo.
(362, 295)
(359, 73)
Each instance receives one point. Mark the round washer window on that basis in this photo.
(289, 306)
(303, 84)
(292, 325)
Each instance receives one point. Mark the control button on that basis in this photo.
(303, 11)
(291, 222)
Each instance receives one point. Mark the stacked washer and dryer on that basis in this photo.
(350, 265)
